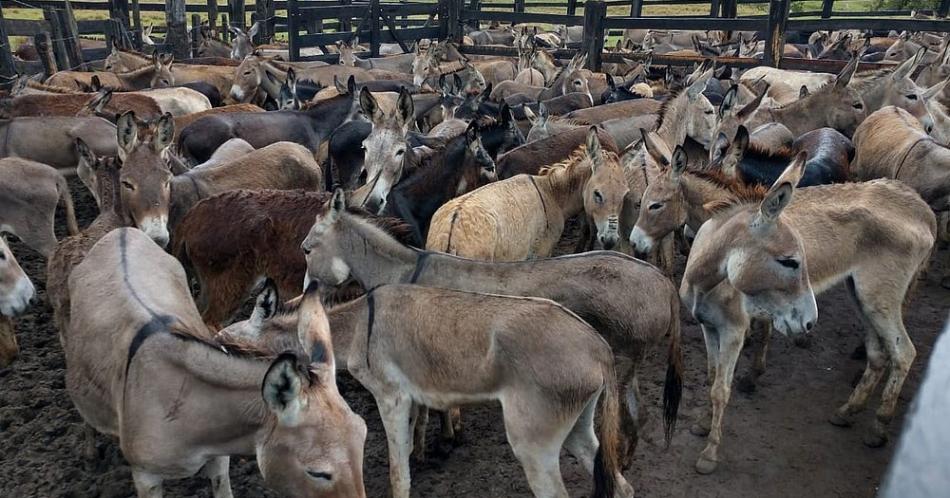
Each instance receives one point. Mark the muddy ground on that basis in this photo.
(777, 441)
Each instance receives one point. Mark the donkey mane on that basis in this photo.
(134, 53)
(569, 121)
(576, 157)
(50, 88)
(665, 106)
(231, 346)
(742, 193)
(784, 152)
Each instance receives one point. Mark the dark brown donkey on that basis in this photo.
(264, 229)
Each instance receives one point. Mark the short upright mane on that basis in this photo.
(577, 157)
(665, 106)
(50, 88)
(742, 193)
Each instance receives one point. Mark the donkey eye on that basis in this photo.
(654, 206)
(788, 263)
(911, 96)
(598, 197)
(128, 185)
(708, 112)
(326, 476)
(3, 256)
(858, 105)
(400, 152)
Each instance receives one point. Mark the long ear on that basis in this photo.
(781, 192)
(337, 205)
(935, 90)
(847, 72)
(127, 132)
(251, 33)
(652, 141)
(351, 85)
(86, 157)
(405, 107)
(803, 92)
(749, 108)
(291, 78)
(313, 327)
(542, 112)
(699, 85)
(720, 146)
(680, 161)
(167, 60)
(594, 151)
(530, 116)
(340, 87)
(265, 305)
(369, 105)
(164, 132)
(907, 67)
(282, 387)
(95, 83)
(728, 101)
(472, 133)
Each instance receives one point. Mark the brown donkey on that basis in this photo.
(29, 194)
(136, 337)
(523, 217)
(16, 292)
(746, 265)
(632, 304)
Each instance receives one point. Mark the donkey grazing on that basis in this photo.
(546, 366)
(523, 217)
(29, 194)
(788, 246)
(16, 292)
(135, 338)
(629, 302)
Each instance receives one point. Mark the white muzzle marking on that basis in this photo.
(19, 298)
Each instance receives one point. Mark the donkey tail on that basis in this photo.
(673, 385)
(607, 461)
(66, 198)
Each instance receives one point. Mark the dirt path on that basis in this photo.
(777, 441)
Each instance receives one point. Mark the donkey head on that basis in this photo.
(145, 177)
(604, 192)
(759, 254)
(242, 44)
(838, 103)
(662, 207)
(348, 51)
(730, 118)
(424, 65)
(288, 92)
(386, 148)
(901, 91)
(727, 155)
(16, 289)
(315, 448)
(477, 160)
(323, 248)
(163, 77)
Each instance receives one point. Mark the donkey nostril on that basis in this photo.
(810, 325)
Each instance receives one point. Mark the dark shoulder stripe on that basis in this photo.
(370, 319)
(421, 259)
(157, 324)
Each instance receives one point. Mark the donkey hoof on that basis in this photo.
(698, 429)
(705, 465)
(874, 439)
(746, 384)
(840, 421)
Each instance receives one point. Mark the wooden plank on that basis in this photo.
(375, 31)
(944, 8)
(636, 8)
(385, 36)
(236, 9)
(527, 17)
(342, 12)
(519, 6)
(593, 45)
(137, 24)
(213, 15)
(8, 70)
(688, 23)
(265, 15)
(939, 25)
(827, 7)
(474, 6)
(44, 49)
(571, 7)
(775, 43)
(195, 34)
(714, 7)
(67, 21)
(177, 28)
(56, 33)
(293, 31)
(395, 34)
(23, 27)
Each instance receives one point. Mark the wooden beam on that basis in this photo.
(44, 49)
(827, 7)
(7, 63)
(636, 8)
(943, 8)
(176, 34)
(293, 31)
(375, 37)
(195, 34)
(236, 7)
(67, 21)
(594, 13)
(265, 14)
(775, 43)
(213, 15)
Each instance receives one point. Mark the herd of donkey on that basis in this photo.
(423, 195)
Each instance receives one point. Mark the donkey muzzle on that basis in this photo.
(18, 299)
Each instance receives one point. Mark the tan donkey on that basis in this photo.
(16, 292)
(144, 368)
(760, 255)
(29, 194)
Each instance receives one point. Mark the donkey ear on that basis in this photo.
(164, 132)
(95, 83)
(803, 92)
(282, 387)
(126, 131)
(86, 157)
(507, 119)
(251, 33)
(719, 148)
(652, 141)
(291, 76)
(405, 107)
(265, 305)
(340, 87)
(313, 327)
(781, 192)
(471, 133)
(680, 161)
(369, 105)
(935, 90)
(594, 151)
(847, 72)
(542, 111)
(699, 86)
(728, 101)
(751, 107)
(907, 67)
(337, 204)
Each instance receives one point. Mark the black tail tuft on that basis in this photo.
(672, 393)
(603, 483)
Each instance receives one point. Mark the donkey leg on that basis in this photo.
(420, 414)
(536, 443)
(746, 383)
(217, 471)
(146, 485)
(876, 361)
(901, 353)
(634, 416)
(665, 253)
(582, 441)
(395, 411)
(730, 342)
(711, 337)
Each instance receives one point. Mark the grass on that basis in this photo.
(698, 9)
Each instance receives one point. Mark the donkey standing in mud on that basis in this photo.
(498, 222)
(632, 304)
(16, 292)
(135, 338)
(760, 255)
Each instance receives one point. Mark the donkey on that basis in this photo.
(499, 223)
(406, 360)
(135, 337)
(402, 63)
(629, 302)
(308, 127)
(225, 277)
(532, 156)
(158, 74)
(73, 104)
(789, 256)
(49, 140)
(29, 194)
(386, 150)
(220, 76)
(896, 88)
(182, 122)
(891, 143)
(16, 292)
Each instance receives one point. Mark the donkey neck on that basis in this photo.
(673, 127)
(873, 90)
(374, 257)
(697, 193)
(137, 79)
(797, 117)
(565, 187)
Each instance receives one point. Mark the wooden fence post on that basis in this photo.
(593, 45)
(225, 34)
(375, 32)
(237, 13)
(195, 34)
(943, 8)
(56, 32)
(572, 7)
(730, 9)
(451, 22)
(265, 14)
(67, 23)
(827, 7)
(119, 9)
(293, 30)
(346, 23)
(137, 24)
(213, 15)
(176, 34)
(44, 50)
(7, 64)
(519, 5)
(636, 8)
(775, 44)
(474, 5)
(714, 7)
